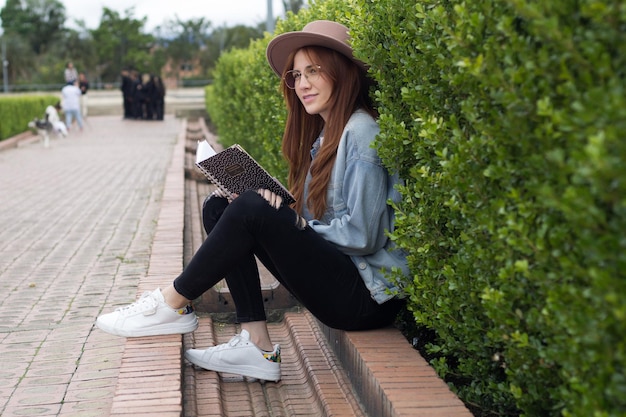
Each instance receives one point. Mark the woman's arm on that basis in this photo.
(360, 227)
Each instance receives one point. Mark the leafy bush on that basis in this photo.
(17, 111)
(242, 91)
(506, 120)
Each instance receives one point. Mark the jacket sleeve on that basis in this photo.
(361, 229)
(360, 215)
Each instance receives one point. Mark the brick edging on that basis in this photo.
(15, 141)
(390, 377)
(150, 378)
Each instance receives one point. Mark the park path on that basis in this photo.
(76, 225)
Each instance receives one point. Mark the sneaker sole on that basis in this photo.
(153, 331)
(243, 370)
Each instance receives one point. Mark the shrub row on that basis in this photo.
(506, 120)
(17, 111)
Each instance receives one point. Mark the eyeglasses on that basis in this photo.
(311, 73)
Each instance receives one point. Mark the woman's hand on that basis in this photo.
(274, 199)
(219, 193)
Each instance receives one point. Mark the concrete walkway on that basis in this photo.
(77, 221)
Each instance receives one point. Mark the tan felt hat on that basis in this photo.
(324, 33)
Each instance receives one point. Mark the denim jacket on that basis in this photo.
(357, 215)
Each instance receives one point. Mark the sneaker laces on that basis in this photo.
(271, 356)
(235, 340)
(146, 303)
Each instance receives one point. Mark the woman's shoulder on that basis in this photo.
(359, 135)
(361, 127)
(361, 119)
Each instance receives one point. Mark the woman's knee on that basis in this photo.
(214, 207)
(212, 210)
(248, 202)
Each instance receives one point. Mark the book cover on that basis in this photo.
(234, 171)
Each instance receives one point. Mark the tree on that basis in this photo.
(191, 43)
(40, 22)
(21, 60)
(77, 45)
(186, 40)
(293, 5)
(121, 43)
(225, 38)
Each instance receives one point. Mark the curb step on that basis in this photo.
(313, 383)
(390, 377)
(151, 366)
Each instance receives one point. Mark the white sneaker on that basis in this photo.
(148, 316)
(239, 356)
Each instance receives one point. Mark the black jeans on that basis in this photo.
(320, 276)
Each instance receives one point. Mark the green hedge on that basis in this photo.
(506, 120)
(242, 88)
(17, 111)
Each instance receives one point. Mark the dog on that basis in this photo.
(51, 124)
(44, 128)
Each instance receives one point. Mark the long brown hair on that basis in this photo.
(350, 92)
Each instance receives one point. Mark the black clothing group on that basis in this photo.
(144, 96)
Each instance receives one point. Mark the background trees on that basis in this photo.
(38, 22)
(31, 28)
(37, 44)
(120, 42)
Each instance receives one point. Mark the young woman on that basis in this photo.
(330, 250)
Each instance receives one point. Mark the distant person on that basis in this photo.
(145, 97)
(52, 116)
(133, 94)
(158, 97)
(70, 73)
(71, 105)
(83, 85)
(136, 95)
(127, 91)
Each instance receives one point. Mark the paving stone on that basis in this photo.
(76, 221)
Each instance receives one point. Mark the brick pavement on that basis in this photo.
(77, 221)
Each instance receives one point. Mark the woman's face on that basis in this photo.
(313, 94)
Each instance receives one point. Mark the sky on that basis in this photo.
(218, 12)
